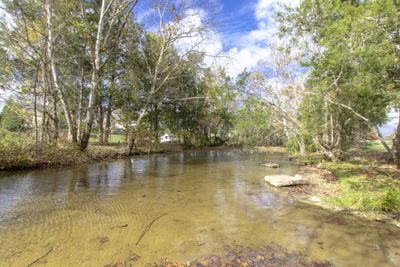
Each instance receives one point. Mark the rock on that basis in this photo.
(315, 199)
(271, 165)
(285, 180)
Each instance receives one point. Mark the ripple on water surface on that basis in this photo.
(182, 206)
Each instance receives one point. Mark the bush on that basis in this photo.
(390, 201)
(11, 120)
(20, 153)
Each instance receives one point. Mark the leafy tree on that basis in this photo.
(10, 119)
(352, 54)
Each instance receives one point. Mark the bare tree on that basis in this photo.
(179, 26)
(273, 84)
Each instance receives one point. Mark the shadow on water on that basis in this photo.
(211, 202)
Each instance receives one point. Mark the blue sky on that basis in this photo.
(242, 30)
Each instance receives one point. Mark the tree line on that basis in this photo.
(330, 81)
(333, 75)
(77, 65)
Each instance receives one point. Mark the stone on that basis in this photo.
(271, 165)
(285, 180)
(315, 199)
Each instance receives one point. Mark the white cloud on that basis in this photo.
(265, 9)
(248, 49)
(208, 42)
(253, 47)
(236, 60)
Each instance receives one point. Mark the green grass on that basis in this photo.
(114, 139)
(365, 188)
(373, 146)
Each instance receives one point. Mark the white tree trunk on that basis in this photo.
(53, 70)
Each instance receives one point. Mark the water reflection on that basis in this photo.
(212, 199)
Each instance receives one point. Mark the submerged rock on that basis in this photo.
(285, 180)
(271, 165)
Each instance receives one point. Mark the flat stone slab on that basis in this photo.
(315, 199)
(271, 165)
(285, 180)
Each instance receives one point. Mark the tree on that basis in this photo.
(166, 51)
(351, 52)
(10, 119)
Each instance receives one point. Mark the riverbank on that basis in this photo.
(366, 185)
(18, 156)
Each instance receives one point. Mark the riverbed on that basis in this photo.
(181, 206)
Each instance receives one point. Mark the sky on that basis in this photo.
(242, 30)
(245, 29)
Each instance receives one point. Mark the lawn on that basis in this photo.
(114, 139)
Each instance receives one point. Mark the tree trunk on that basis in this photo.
(302, 145)
(132, 138)
(156, 122)
(94, 83)
(80, 104)
(101, 124)
(54, 74)
(107, 129)
(87, 129)
(396, 145)
(55, 118)
(44, 130)
(35, 113)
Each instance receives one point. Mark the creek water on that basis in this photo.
(99, 214)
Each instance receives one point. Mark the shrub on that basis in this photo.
(390, 201)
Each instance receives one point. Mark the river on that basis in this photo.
(180, 206)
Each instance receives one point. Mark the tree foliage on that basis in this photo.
(352, 52)
(10, 119)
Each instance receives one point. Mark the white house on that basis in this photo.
(168, 138)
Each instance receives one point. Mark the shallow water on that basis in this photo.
(94, 215)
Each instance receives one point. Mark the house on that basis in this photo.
(168, 138)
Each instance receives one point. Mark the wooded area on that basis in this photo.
(163, 150)
(72, 70)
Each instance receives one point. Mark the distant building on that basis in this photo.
(168, 138)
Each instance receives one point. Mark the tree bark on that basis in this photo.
(44, 130)
(107, 129)
(396, 144)
(54, 76)
(95, 81)
(80, 104)
(132, 138)
(55, 118)
(101, 124)
(35, 112)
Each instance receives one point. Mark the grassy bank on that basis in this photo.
(365, 187)
(18, 152)
(17, 156)
(367, 183)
